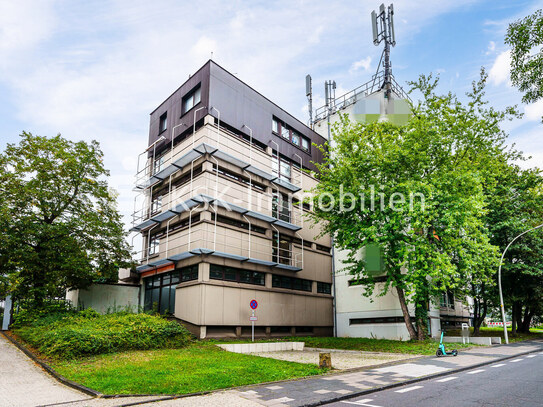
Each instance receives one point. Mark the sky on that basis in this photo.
(95, 69)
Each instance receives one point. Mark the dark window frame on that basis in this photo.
(236, 275)
(163, 123)
(292, 283)
(324, 288)
(188, 95)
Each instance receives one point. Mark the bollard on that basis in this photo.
(325, 361)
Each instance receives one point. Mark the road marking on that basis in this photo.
(516, 360)
(476, 371)
(531, 356)
(408, 389)
(447, 379)
(499, 365)
(363, 402)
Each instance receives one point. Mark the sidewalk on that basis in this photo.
(317, 390)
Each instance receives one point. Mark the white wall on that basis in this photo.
(106, 297)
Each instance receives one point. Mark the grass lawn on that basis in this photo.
(427, 347)
(198, 367)
(496, 331)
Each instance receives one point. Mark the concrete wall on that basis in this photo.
(105, 298)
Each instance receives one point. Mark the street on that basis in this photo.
(514, 382)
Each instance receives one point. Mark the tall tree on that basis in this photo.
(516, 206)
(429, 244)
(59, 225)
(525, 37)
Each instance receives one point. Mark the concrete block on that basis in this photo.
(496, 340)
(258, 347)
(237, 348)
(265, 347)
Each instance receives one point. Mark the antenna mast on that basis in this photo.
(309, 94)
(383, 30)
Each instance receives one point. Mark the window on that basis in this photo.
(324, 288)
(362, 281)
(158, 164)
(287, 133)
(160, 289)
(323, 248)
(305, 144)
(154, 244)
(281, 207)
(189, 273)
(291, 283)
(281, 252)
(275, 126)
(295, 139)
(163, 123)
(379, 320)
(281, 168)
(156, 204)
(217, 272)
(238, 223)
(239, 178)
(447, 300)
(191, 99)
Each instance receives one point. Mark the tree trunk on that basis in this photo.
(514, 321)
(527, 320)
(406, 316)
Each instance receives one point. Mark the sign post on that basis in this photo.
(253, 304)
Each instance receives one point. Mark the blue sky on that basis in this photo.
(95, 70)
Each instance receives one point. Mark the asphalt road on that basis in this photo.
(514, 382)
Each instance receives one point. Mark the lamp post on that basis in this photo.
(500, 280)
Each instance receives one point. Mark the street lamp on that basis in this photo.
(500, 280)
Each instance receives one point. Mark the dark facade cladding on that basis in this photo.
(240, 107)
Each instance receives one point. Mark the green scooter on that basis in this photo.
(441, 349)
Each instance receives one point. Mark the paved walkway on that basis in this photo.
(23, 383)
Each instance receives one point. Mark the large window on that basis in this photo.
(324, 288)
(160, 289)
(158, 164)
(237, 275)
(281, 168)
(163, 123)
(191, 99)
(156, 205)
(280, 128)
(282, 245)
(281, 207)
(154, 244)
(291, 283)
(447, 300)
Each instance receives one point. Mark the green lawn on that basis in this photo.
(496, 331)
(198, 367)
(427, 347)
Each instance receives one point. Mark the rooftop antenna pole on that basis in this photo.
(309, 94)
(383, 30)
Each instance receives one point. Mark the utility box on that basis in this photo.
(465, 333)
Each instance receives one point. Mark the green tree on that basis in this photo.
(445, 154)
(526, 40)
(516, 206)
(59, 226)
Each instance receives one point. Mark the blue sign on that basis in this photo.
(253, 304)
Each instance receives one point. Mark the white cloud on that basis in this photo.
(534, 111)
(363, 63)
(491, 48)
(499, 73)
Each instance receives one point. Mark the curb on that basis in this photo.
(415, 380)
(50, 370)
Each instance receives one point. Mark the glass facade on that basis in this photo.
(160, 289)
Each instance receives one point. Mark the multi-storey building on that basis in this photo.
(221, 214)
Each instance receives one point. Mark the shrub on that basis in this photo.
(85, 333)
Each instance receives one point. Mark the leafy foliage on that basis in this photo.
(525, 37)
(446, 153)
(58, 223)
(68, 335)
